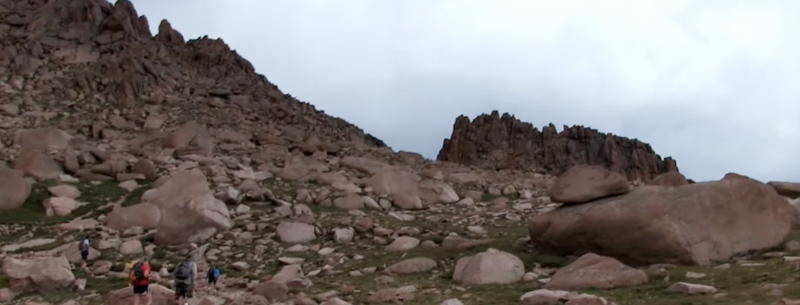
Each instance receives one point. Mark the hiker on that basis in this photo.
(84, 247)
(140, 278)
(184, 275)
(213, 276)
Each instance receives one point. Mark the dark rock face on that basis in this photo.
(503, 142)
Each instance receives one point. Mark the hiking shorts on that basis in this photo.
(84, 254)
(183, 290)
(212, 279)
(141, 289)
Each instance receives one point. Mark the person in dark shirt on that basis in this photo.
(213, 276)
(184, 276)
(83, 246)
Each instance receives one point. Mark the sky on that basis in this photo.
(714, 83)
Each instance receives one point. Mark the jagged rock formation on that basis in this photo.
(90, 61)
(503, 142)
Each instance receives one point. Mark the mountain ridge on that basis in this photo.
(505, 142)
(95, 56)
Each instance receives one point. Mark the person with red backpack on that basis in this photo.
(140, 278)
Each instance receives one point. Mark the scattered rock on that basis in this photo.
(13, 189)
(595, 271)
(39, 273)
(64, 190)
(412, 265)
(581, 184)
(295, 232)
(667, 220)
(489, 267)
(130, 247)
(403, 243)
(60, 206)
(687, 288)
(672, 178)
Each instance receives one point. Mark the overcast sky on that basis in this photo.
(713, 83)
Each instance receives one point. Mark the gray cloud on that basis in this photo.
(712, 83)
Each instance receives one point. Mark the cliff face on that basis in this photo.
(90, 57)
(503, 142)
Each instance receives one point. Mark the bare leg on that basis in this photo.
(148, 298)
(136, 299)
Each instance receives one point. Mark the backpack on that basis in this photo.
(215, 272)
(184, 270)
(136, 273)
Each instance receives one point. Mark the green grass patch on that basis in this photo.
(105, 191)
(739, 284)
(95, 197)
(135, 196)
(489, 197)
(96, 288)
(743, 285)
(319, 210)
(32, 211)
(506, 236)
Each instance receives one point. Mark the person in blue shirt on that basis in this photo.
(213, 276)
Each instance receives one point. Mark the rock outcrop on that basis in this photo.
(698, 223)
(595, 271)
(790, 190)
(13, 189)
(504, 142)
(582, 183)
(489, 267)
(669, 179)
(175, 149)
(40, 273)
(182, 209)
(78, 61)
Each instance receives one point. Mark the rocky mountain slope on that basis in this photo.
(151, 146)
(494, 141)
(90, 66)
